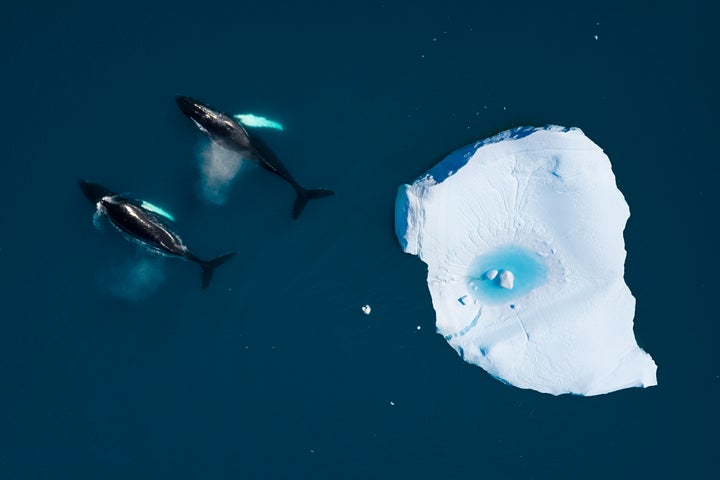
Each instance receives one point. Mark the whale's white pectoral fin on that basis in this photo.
(202, 129)
(251, 120)
(155, 209)
(98, 220)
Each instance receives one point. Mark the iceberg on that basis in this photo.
(522, 234)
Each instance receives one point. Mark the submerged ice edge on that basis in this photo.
(578, 318)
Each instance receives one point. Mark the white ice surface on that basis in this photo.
(551, 192)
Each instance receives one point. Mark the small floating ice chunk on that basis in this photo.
(507, 279)
(366, 309)
(566, 325)
(491, 274)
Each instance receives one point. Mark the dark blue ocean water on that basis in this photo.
(274, 371)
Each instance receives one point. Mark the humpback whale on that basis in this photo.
(146, 224)
(231, 135)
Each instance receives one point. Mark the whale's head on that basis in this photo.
(194, 109)
(94, 191)
(209, 121)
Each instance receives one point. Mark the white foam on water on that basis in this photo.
(219, 167)
(136, 278)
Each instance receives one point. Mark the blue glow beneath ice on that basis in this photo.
(154, 208)
(527, 267)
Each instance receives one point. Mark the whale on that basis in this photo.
(227, 132)
(148, 226)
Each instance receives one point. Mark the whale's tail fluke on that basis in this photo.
(208, 267)
(303, 196)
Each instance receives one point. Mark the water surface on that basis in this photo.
(275, 371)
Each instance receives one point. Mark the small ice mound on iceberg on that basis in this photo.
(507, 279)
(523, 237)
(505, 273)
